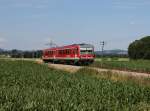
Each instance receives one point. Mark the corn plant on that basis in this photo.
(26, 85)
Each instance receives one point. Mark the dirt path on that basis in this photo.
(128, 73)
(68, 68)
(73, 69)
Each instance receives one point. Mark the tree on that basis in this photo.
(15, 53)
(140, 49)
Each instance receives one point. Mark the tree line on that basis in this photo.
(138, 49)
(21, 54)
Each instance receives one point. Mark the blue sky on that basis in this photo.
(30, 24)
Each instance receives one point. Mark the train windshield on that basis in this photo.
(86, 51)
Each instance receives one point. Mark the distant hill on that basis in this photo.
(1, 50)
(112, 52)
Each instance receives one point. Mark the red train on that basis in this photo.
(71, 54)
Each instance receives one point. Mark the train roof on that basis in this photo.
(83, 45)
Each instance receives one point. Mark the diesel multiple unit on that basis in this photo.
(72, 54)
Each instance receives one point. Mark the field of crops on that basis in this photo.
(132, 65)
(25, 85)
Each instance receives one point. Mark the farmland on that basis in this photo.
(25, 85)
(124, 64)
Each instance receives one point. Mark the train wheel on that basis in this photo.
(71, 63)
(45, 61)
(87, 63)
(79, 63)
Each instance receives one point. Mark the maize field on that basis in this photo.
(25, 85)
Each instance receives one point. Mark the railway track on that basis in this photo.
(73, 69)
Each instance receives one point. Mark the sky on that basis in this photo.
(31, 24)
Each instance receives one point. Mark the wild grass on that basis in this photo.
(25, 85)
(116, 77)
(111, 59)
(132, 65)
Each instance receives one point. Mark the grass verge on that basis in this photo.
(137, 66)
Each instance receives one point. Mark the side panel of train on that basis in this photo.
(73, 54)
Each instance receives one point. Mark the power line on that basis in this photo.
(51, 44)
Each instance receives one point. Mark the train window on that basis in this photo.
(73, 51)
(64, 51)
(56, 52)
(49, 52)
(46, 53)
(83, 52)
(90, 51)
(60, 52)
(67, 51)
(76, 51)
(86, 51)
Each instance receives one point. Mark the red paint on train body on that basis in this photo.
(72, 54)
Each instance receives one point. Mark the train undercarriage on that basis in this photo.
(70, 62)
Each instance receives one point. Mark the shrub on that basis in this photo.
(140, 49)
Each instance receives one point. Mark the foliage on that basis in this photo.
(25, 85)
(140, 49)
(26, 54)
(21, 54)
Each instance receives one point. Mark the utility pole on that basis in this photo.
(32, 53)
(51, 44)
(102, 43)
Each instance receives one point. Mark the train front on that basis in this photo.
(87, 53)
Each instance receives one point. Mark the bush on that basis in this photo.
(140, 49)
